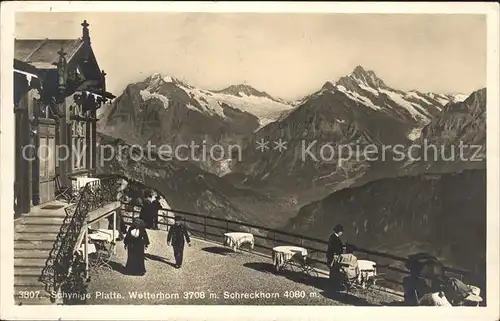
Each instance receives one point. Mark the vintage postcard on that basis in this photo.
(267, 160)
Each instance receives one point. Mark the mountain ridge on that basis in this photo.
(164, 109)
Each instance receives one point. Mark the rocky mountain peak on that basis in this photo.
(367, 77)
(361, 78)
(243, 89)
(329, 85)
(157, 79)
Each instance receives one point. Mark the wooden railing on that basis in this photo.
(392, 267)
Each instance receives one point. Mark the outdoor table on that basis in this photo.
(105, 247)
(109, 234)
(367, 268)
(282, 255)
(367, 271)
(90, 248)
(235, 239)
(101, 237)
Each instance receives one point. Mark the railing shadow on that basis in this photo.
(217, 250)
(261, 267)
(157, 258)
(118, 267)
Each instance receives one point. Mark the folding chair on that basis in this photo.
(303, 264)
(104, 254)
(62, 191)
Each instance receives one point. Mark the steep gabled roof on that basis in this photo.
(42, 53)
(24, 67)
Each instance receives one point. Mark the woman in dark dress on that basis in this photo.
(136, 241)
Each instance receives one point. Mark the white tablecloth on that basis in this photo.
(103, 235)
(90, 248)
(367, 270)
(110, 232)
(369, 267)
(283, 254)
(236, 239)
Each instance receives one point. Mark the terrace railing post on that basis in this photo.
(205, 228)
(101, 191)
(274, 238)
(227, 227)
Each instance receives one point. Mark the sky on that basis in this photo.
(286, 55)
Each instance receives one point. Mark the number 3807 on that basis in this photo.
(29, 294)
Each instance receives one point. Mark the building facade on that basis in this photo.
(58, 88)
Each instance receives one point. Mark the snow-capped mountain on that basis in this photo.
(213, 102)
(367, 89)
(359, 109)
(165, 110)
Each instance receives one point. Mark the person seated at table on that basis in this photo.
(136, 242)
(426, 275)
(458, 293)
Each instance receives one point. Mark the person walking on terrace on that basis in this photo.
(136, 242)
(177, 237)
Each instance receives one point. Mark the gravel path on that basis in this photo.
(212, 274)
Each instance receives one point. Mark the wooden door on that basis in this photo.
(47, 160)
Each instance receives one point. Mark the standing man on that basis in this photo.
(177, 236)
(335, 248)
(335, 244)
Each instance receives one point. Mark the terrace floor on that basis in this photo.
(211, 270)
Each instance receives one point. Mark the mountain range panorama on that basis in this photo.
(359, 74)
(243, 104)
